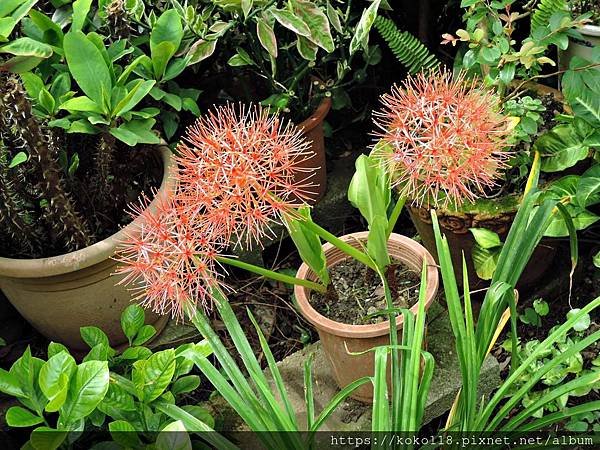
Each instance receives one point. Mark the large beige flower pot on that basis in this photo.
(58, 295)
(583, 49)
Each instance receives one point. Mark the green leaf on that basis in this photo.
(560, 148)
(334, 18)
(200, 51)
(54, 348)
(81, 104)
(308, 244)
(124, 433)
(361, 34)
(290, 21)
(317, 22)
(185, 384)
(369, 190)
(306, 48)
(583, 323)
(485, 238)
(165, 40)
(19, 158)
(93, 336)
(27, 47)
(86, 391)
(173, 437)
(266, 36)
(33, 84)
(588, 187)
(144, 335)
(485, 260)
(596, 260)
(377, 241)
(241, 58)
(88, 67)
(541, 307)
(26, 370)
(136, 353)
(132, 320)
(136, 132)
(81, 8)
(136, 95)
(152, 376)
(45, 438)
(47, 102)
(9, 384)
(21, 417)
(54, 379)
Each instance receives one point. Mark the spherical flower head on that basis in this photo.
(443, 139)
(238, 172)
(167, 261)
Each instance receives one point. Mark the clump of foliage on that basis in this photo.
(133, 395)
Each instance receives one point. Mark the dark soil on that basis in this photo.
(360, 295)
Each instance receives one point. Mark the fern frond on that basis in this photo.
(406, 48)
(544, 10)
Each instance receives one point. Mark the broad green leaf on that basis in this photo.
(54, 348)
(306, 48)
(136, 132)
(334, 17)
(560, 148)
(152, 376)
(266, 36)
(27, 47)
(136, 95)
(26, 370)
(361, 34)
(87, 66)
(81, 104)
(17, 416)
(165, 40)
(485, 238)
(9, 384)
(173, 437)
(54, 379)
(201, 50)
(185, 384)
(317, 22)
(33, 84)
(581, 218)
(368, 189)
(93, 336)
(144, 335)
(132, 320)
(124, 433)
(290, 21)
(117, 399)
(45, 438)
(588, 187)
(485, 260)
(81, 8)
(241, 58)
(87, 389)
(596, 260)
(583, 323)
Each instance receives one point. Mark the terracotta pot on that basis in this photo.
(313, 130)
(456, 225)
(338, 339)
(583, 49)
(60, 294)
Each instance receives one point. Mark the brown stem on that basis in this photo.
(390, 276)
(61, 214)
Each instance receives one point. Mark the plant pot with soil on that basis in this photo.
(77, 145)
(587, 37)
(349, 323)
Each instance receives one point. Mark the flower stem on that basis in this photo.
(272, 274)
(341, 245)
(395, 214)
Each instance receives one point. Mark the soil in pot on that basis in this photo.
(360, 295)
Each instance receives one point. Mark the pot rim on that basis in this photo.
(372, 330)
(590, 30)
(317, 116)
(88, 256)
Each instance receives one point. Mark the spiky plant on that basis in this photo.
(67, 228)
(117, 18)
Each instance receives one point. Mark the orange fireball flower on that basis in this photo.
(168, 261)
(238, 171)
(443, 140)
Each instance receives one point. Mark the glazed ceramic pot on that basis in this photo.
(582, 48)
(61, 294)
(339, 340)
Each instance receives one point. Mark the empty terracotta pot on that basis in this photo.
(60, 294)
(340, 339)
(313, 131)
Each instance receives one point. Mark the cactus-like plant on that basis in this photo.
(66, 225)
